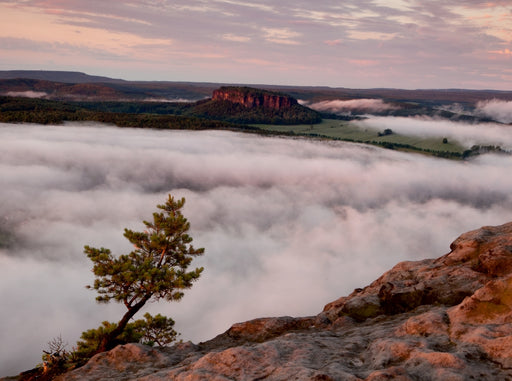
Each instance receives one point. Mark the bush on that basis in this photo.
(149, 331)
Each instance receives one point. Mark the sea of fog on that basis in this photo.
(288, 224)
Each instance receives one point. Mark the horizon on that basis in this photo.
(372, 44)
(249, 84)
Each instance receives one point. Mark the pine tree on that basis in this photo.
(156, 269)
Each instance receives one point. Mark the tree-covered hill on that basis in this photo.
(42, 111)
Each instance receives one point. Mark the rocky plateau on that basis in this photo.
(251, 98)
(448, 318)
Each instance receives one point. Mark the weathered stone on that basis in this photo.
(385, 352)
(393, 373)
(362, 307)
(485, 319)
(266, 328)
(434, 322)
(443, 319)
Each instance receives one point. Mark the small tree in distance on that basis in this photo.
(156, 269)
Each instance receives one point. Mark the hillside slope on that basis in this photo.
(448, 318)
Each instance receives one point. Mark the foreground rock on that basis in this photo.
(438, 319)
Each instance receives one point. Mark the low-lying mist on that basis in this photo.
(27, 94)
(496, 109)
(288, 225)
(369, 105)
(467, 134)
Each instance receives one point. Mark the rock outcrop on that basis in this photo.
(251, 98)
(437, 319)
(246, 105)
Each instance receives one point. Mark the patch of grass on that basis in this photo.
(342, 130)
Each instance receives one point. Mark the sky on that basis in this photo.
(288, 225)
(354, 43)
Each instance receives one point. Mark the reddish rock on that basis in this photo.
(251, 98)
(437, 319)
(434, 322)
(393, 373)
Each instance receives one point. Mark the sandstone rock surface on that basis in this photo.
(250, 98)
(437, 319)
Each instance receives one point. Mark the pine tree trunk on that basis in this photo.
(108, 341)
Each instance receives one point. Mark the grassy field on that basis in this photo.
(342, 130)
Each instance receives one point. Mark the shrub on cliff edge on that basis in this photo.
(156, 269)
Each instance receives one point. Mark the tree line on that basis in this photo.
(200, 115)
(42, 111)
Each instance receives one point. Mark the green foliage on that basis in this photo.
(478, 150)
(196, 116)
(90, 340)
(156, 329)
(151, 330)
(387, 131)
(136, 107)
(156, 269)
(42, 111)
(340, 130)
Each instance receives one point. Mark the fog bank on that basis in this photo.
(288, 225)
(496, 109)
(27, 94)
(362, 105)
(465, 133)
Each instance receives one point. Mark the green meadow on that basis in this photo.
(350, 131)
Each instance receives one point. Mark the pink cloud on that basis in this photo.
(255, 61)
(365, 63)
(333, 42)
(504, 52)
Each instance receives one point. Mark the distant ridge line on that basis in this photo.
(170, 90)
(57, 76)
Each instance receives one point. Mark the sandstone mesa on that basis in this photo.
(251, 98)
(448, 318)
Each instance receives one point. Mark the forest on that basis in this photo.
(124, 114)
(205, 114)
(208, 114)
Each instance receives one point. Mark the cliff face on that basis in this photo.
(448, 318)
(251, 98)
(247, 105)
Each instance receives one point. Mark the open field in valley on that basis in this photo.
(350, 131)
